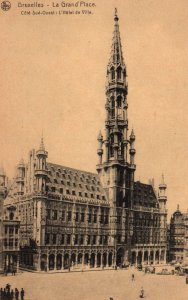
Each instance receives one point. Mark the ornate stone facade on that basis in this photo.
(178, 243)
(9, 231)
(72, 218)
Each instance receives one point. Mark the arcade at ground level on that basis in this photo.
(59, 260)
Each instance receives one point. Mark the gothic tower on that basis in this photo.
(116, 151)
(114, 167)
(41, 174)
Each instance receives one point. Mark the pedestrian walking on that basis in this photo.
(22, 293)
(16, 294)
(133, 277)
(142, 293)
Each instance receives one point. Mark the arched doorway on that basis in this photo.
(120, 257)
(157, 257)
(80, 258)
(104, 259)
(139, 258)
(66, 261)
(86, 258)
(73, 259)
(92, 260)
(98, 259)
(51, 261)
(151, 257)
(146, 257)
(59, 262)
(43, 262)
(133, 258)
(110, 259)
(162, 258)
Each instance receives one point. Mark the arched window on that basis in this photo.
(112, 73)
(119, 73)
(11, 216)
(111, 146)
(121, 146)
(119, 104)
(124, 74)
(119, 101)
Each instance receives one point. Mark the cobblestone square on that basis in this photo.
(98, 285)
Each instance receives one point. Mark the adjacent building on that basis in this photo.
(9, 231)
(74, 218)
(178, 242)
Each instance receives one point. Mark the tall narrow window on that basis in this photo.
(111, 146)
(112, 74)
(69, 216)
(112, 107)
(119, 101)
(119, 73)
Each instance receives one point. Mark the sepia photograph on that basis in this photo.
(93, 156)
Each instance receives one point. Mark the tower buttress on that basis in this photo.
(41, 169)
(20, 178)
(162, 198)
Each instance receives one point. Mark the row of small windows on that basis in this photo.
(79, 217)
(68, 239)
(80, 194)
(77, 176)
(75, 185)
(147, 223)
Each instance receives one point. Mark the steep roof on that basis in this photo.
(144, 195)
(69, 181)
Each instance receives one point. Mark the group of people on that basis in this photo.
(9, 294)
(13, 271)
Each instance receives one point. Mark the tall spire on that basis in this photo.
(116, 56)
(42, 144)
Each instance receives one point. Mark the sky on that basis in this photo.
(52, 83)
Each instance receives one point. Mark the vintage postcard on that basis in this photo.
(93, 156)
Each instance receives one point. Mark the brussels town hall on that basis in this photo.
(76, 219)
